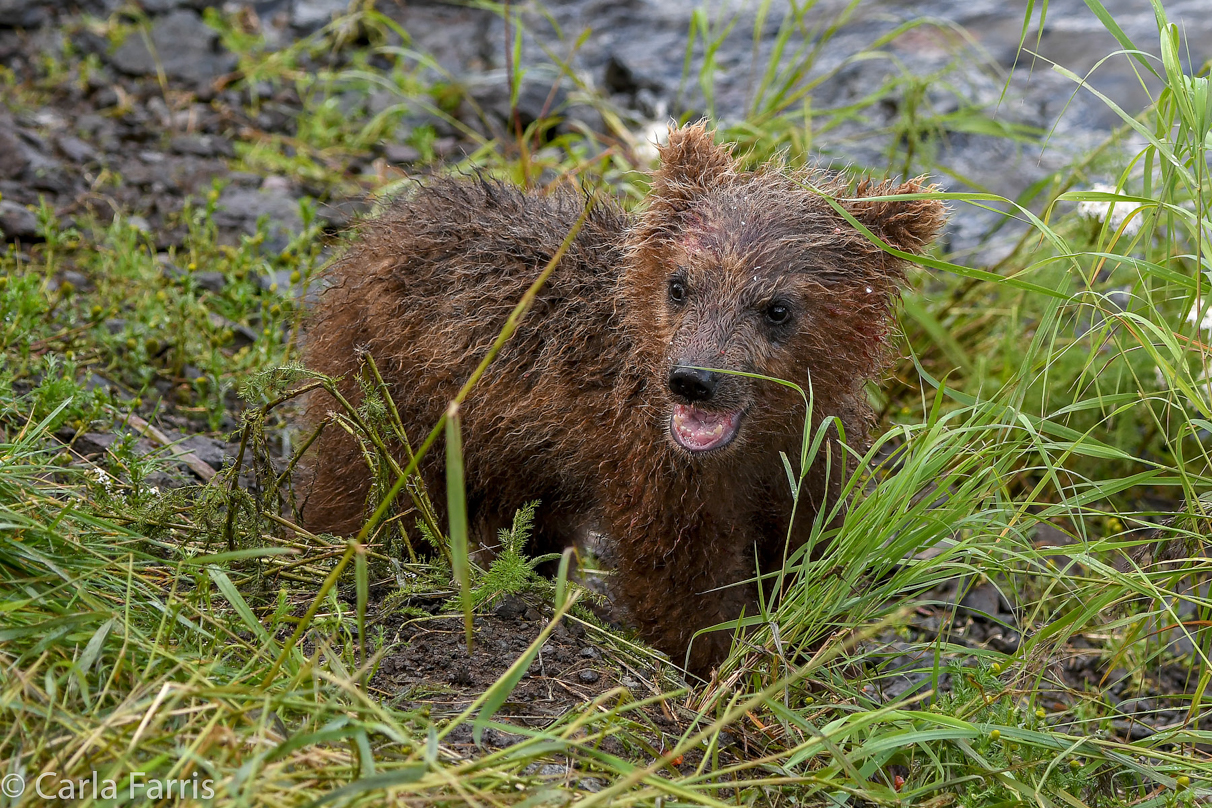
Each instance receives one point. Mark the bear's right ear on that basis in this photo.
(909, 225)
(691, 165)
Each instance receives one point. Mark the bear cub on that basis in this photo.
(609, 403)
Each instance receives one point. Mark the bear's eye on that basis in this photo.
(677, 291)
(778, 313)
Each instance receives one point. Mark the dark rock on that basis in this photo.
(1006, 642)
(445, 146)
(96, 382)
(92, 124)
(510, 608)
(13, 159)
(1132, 730)
(619, 77)
(240, 208)
(244, 179)
(210, 281)
(99, 79)
(383, 100)
(185, 47)
(167, 268)
(78, 280)
(162, 6)
(277, 281)
(581, 116)
(17, 222)
(22, 13)
(589, 676)
(307, 16)
(202, 146)
(499, 739)
(75, 149)
(163, 481)
(401, 153)
(340, 213)
(535, 100)
(94, 443)
(241, 334)
(90, 43)
(106, 97)
(982, 600)
(210, 451)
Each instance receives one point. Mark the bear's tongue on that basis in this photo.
(699, 431)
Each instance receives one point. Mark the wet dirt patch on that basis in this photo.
(428, 662)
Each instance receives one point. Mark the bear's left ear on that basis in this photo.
(909, 225)
(692, 165)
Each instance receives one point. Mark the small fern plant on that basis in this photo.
(511, 572)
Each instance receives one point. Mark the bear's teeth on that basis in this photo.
(699, 431)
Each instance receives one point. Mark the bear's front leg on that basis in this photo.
(672, 593)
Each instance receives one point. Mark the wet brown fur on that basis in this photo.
(575, 410)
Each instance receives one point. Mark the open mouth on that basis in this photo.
(701, 431)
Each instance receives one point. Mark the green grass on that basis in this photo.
(190, 636)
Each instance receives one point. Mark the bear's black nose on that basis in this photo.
(692, 384)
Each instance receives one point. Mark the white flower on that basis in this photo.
(104, 478)
(1118, 211)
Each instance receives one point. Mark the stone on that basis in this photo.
(106, 97)
(492, 96)
(185, 47)
(162, 6)
(22, 13)
(340, 213)
(210, 451)
(983, 600)
(401, 153)
(201, 145)
(588, 676)
(75, 149)
(499, 739)
(17, 222)
(383, 100)
(510, 608)
(210, 281)
(240, 208)
(78, 280)
(276, 281)
(13, 157)
(311, 15)
(94, 443)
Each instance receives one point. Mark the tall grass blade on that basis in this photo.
(456, 509)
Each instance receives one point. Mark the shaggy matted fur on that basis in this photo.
(722, 269)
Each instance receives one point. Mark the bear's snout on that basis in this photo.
(693, 384)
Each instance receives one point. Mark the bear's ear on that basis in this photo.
(909, 225)
(692, 164)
